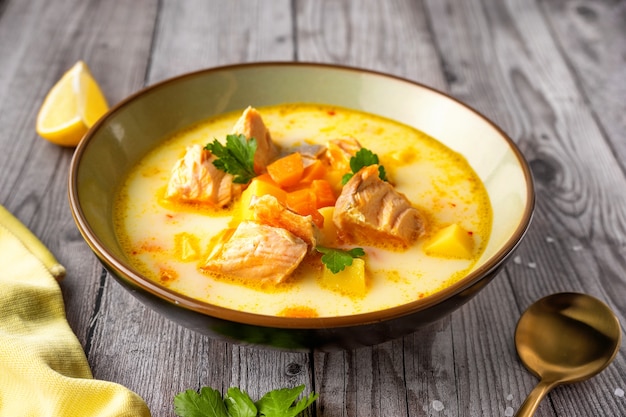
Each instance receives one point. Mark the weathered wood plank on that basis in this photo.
(392, 37)
(592, 38)
(196, 34)
(429, 361)
(517, 77)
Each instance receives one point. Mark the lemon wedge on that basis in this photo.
(72, 106)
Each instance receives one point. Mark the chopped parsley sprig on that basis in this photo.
(338, 259)
(208, 402)
(364, 157)
(236, 157)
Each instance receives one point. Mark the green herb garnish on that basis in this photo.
(236, 158)
(364, 157)
(280, 402)
(237, 403)
(337, 259)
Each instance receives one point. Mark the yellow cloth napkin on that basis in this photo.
(43, 369)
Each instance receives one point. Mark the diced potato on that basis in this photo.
(258, 187)
(328, 235)
(451, 242)
(187, 247)
(350, 281)
(334, 176)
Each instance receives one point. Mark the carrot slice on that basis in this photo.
(287, 171)
(298, 311)
(315, 171)
(266, 178)
(301, 201)
(304, 202)
(324, 194)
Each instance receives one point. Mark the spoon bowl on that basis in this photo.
(565, 338)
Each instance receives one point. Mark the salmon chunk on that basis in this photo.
(257, 253)
(195, 179)
(371, 211)
(251, 125)
(339, 152)
(267, 210)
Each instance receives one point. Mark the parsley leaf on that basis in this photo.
(364, 157)
(207, 403)
(237, 403)
(236, 158)
(337, 259)
(279, 402)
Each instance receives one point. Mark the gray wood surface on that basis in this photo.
(551, 73)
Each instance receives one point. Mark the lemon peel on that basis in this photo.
(71, 107)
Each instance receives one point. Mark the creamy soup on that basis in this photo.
(170, 242)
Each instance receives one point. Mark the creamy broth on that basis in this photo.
(437, 181)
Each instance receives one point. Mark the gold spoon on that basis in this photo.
(564, 338)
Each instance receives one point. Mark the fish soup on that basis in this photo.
(339, 212)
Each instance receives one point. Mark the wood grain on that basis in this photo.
(551, 73)
(591, 36)
(196, 34)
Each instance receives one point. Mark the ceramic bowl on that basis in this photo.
(136, 125)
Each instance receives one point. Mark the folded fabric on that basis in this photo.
(43, 368)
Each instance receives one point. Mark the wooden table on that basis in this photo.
(551, 73)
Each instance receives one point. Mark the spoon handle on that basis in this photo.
(531, 403)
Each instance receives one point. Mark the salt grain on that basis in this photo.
(619, 392)
(532, 265)
(549, 239)
(508, 412)
(517, 260)
(576, 248)
(509, 397)
(437, 405)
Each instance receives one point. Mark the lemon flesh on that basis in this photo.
(73, 105)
